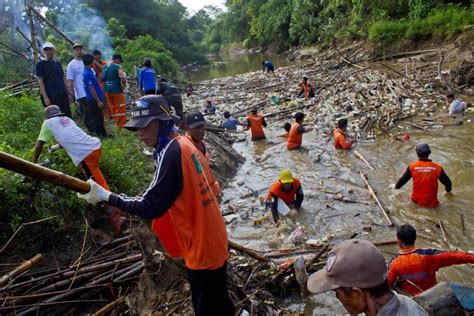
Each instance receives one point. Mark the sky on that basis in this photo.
(196, 5)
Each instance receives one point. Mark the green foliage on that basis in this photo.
(117, 32)
(272, 22)
(440, 22)
(143, 46)
(25, 199)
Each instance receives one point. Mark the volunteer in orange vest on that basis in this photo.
(307, 90)
(195, 131)
(84, 151)
(256, 123)
(414, 269)
(289, 190)
(340, 141)
(295, 135)
(287, 128)
(186, 217)
(425, 174)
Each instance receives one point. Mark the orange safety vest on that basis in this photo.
(205, 161)
(193, 227)
(287, 197)
(425, 183)
(295, 139)
(306, 88)
(340, 140)
(256, 126)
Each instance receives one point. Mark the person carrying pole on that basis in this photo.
(84, 151)
(186, 216)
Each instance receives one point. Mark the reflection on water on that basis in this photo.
(336, 173)
(234, 65)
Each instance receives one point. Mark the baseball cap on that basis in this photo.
(352, 263)
(117, 56)
(52, 111)
(423, 149)
(48, 45)
(286, 176)
(149, 108)
(194, 119)
(77, 45)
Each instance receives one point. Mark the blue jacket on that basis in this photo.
(147, 79)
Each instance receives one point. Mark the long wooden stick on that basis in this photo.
(51, 25)
(30, 169)
(359, 155)
(374, 196)
(107, 308)
(463, 227)
(443, 232)
(250, 252)
(22, 268)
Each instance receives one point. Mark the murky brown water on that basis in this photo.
(337, 173)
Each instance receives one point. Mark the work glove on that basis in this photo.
(53, 148)
(96, 194)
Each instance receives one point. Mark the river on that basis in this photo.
(327, 175)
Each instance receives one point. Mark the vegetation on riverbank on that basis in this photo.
(24, 199)
(288, 23)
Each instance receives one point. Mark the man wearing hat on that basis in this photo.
(357, 272)
(84, 151)
(74, 80)
(51, 81)
(113, 78)
(425, 174)
(195, 130)
(289, 190)
(186, 216)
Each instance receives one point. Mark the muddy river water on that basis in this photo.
(328, 176)
(336, 173)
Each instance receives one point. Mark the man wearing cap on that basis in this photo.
(340, 141)
(113, 78)
(289, 190)
(147, 78)
(256, 123)
(195, 130)
(84, 151)
(51, 80)
(74, 81)
(356, 271)
(295, 135)
(425, 174)
(171, 94)
(186, 217)
(414, 269)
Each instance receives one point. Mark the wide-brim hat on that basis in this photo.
(148, 109)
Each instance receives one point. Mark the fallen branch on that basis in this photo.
(107, 308)
(359, 155)
(20, 269)
(443, 232)
(249, 252)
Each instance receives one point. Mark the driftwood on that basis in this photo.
(374, 196)
(443, 232)
(20, 269)
(109, 307)
(247, 251)
(359, 155)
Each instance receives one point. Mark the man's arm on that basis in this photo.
(392, 272)
(444, 179)
(299, 197)
(264, 123)
(100, 104)
(248, 123)
(46, 100)
(449, 258)
(341, 140)
(302, 129)
(38, 150)
(165, 187)
(404, 179)
(274, 206)
(140, 79)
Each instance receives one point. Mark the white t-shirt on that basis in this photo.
(72, 138)
(74, 72)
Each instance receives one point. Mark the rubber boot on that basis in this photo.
(116, 218)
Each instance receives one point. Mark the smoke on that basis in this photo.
(84, 24)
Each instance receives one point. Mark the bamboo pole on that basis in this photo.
(249, 252)
(359, 155)
(374, 196)
(29, 42)
(51, 25)
(20, 269)
(33, 35)
(443, 232)
(107, 308)
(30, 169)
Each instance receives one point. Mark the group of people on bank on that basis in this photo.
(182, 198)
